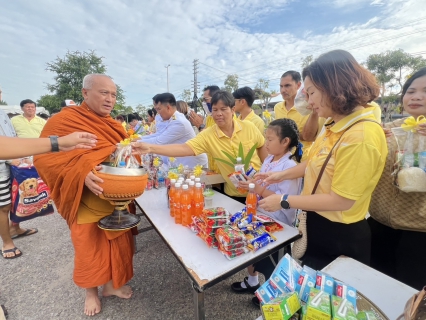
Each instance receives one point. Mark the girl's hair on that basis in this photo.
(287, 128)
(182, 106)
(342, 80)
(152, 112)
(418, 74)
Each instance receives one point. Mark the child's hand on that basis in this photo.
(244, 184)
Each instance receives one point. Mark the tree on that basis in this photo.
(262, 93)
(306, 61)
(69, 73)
(186, 96)
(3, 103)
(231, 83)
(142, 110)
(49, 102)
(121, 109)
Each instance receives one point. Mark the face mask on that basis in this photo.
(207, 108)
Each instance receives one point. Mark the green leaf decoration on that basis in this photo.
(249, 156)
(230, 157)
(241, 152)
(225, 162)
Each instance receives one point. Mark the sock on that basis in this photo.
(252, 281)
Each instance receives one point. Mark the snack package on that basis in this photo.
(273, 227)
(261, 242)
(301, 102)
(282, 307)
(218, 212)
(123, 156)
(318, 306)
(198, 225)
(227, 235)
(250, 172)
(410, 158)
(208, 239)
(342, 309)
(245, 221)
(344, 291)
(214, 222)
(236, 217)
(324, 282)
(234, 253)
(264, 218)
(267, 292)
(366, 315)
(235, 178)
(307, 280)
(251, 226)
(231, 247)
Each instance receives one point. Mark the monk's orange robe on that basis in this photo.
(99, 255)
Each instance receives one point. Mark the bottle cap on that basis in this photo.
(251, 185)
(197, 179)
(187, 180)
(185, 186)
(173, 181)
(177, 185)
(122, 164)
(192, 177)
(239, 159)
(198, 185)
(191, 183)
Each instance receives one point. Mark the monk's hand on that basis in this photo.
(271, 203)
(77, 140)
(91, 181)
(140, 148)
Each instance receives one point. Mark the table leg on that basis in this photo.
(281, 253)
(198, 304)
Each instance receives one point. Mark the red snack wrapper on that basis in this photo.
(229, 236)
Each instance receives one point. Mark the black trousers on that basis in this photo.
(401, 254)
(327, 240)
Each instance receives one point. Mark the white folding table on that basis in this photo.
(205, 266)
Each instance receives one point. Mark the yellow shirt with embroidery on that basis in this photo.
(212, 141)
(256, 120)
(28, 129)
(355, 166)
(282, 112)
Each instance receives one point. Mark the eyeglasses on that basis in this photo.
(207, 99)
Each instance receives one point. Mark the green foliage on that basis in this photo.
(50, 102)
(121, 109)
(69, 73)
(142, 110)
(306, 61)
(262, 93)
(186, 95)
(246, 159)
(231, 83)
(3, 103)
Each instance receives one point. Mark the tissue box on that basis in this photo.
(342, 309)
(282, 307)
(318, 306)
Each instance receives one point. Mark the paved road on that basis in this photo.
(39, 285)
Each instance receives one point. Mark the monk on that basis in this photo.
(101, 257)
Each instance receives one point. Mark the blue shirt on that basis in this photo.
(176, 130)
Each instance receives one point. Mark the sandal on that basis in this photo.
(27, 232)
(236, 287)
(11, 250)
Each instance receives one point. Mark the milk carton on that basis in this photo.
(342, 309)
(282, 307)
(318, 306)
(307, 280)
(267, 292)
(324, 282)
(344, 291)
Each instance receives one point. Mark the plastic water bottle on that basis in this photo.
(239, 166)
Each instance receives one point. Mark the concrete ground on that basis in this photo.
(39, 285)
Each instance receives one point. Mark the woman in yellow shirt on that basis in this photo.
(338, 88)
(151, 120)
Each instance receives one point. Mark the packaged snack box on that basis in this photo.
(344, 291)
(318, 306)
(307, 280)
(282, 307)
(366, 315)
(267, 293)
(289, 271)
(324, 282)
(342, 309)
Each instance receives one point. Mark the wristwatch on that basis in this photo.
(54, 142)
(201, 127)
(284, 202)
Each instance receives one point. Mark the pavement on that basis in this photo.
(39, 285)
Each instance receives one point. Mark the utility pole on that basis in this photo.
(195, 85)
(167, 67)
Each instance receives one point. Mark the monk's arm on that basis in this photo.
(168, 150)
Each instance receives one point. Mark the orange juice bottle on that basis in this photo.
(176, 204)
(251, 200)
(191, 193)
(171, 196)
(185, 205)
(198, 200)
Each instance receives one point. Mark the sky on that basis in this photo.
(252, 38)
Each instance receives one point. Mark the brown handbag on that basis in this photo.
(415, 308)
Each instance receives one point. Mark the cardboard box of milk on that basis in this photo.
(324, 282)
(289, 271)
(342, 309)
(318, 306)
(345, 291)
(282, 307)
(307, 280)
(267, 292)
(366, 315)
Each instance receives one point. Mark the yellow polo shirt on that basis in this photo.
(28, 129)
(212, 141)
(256, 120)
(282, 112)
(355, 166)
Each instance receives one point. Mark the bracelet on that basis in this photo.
(54, 143)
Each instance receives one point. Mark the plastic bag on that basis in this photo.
(301, 102)
(410, 158)
(30, 195)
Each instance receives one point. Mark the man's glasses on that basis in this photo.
(206, 99)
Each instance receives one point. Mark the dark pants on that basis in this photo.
(400, 254)
(328, 240)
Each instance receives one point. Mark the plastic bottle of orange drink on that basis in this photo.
(191, 193)
(176, 204)
(251, 200)
(171, 196)
(198, 200)
(185, 205)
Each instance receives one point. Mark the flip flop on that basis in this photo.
(11, 250)
(27, 232)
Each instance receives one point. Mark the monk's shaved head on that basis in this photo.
(89, 79)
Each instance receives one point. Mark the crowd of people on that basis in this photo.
(333, 163)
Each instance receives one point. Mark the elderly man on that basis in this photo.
(177, 129)
(101, 257)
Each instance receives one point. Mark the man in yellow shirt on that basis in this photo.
(28, 124)
(289, 84)
(244, 98)
(225, 135)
